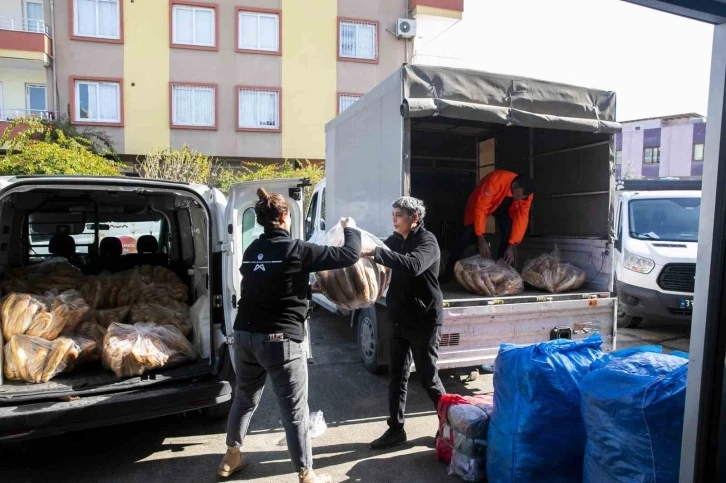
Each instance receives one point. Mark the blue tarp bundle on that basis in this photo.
(633, 403)
(536, 431)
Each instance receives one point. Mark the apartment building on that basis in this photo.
(238, 79)
(662, 147)
(26, 59)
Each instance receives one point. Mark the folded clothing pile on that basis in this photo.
(547, 272)
(484, 276)
(360, 285)
(132, 350)
(462, 441)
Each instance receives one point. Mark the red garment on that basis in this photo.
(486, 198)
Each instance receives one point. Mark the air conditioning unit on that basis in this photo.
(406, 28)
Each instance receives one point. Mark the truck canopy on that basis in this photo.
(494, 98)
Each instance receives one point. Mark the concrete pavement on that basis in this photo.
(188, 448)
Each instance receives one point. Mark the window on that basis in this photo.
(97, 101)
(194, 26)
(258, 109)
(35, 100)
(97, 18)
(34, 16)
(667, 219)
(251, 230)
(651, 156)
(619, 157)
(346, 100)
(358, 40)
(698, 150)
(258, 31)
(193, 105)
(310, 221)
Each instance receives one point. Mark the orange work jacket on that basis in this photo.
(486, 198)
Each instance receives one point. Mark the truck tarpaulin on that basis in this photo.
(499, 99)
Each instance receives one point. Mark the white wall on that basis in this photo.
(13, 86)
(676, 150)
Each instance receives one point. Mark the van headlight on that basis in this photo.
(639, 264)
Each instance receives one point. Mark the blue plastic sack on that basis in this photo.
(633, 404)
(536, 431)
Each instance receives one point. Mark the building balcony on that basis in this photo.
(9, 115)
(22, 38)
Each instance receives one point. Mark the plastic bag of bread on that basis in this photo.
(160, 315)
(484, 276)
(547, 272)
(89, 331)
(18, 312)
(106, 317)
(358, 286)
(34, 359)
(131, 350)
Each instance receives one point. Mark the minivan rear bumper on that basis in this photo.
(41, 419)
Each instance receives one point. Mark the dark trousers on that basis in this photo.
(420, 345)
(504, 223)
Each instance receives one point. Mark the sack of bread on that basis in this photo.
(132, 350)
(90, 331)
(44, 317)
(484, 276)
(160, 315)
(548, 272)
(106, 317)
(54, 273)
(360, 285)
(36, 360)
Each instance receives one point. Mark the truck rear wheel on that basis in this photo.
(626, 321)
(368, 339)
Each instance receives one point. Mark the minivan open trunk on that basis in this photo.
(183, 236)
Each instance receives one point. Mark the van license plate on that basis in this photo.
(686, 303)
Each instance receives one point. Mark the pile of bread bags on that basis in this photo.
(484, 276)
(54, 319)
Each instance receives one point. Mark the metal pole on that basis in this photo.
(708, 326)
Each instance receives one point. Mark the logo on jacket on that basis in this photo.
(260, 256)
(259, 266)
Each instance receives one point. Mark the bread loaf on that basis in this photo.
(547, 272)
(484, 276)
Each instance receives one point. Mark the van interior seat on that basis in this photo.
(63, 245)
(147, 253)
(110, 251)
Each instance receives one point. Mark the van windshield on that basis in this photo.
(665, 219)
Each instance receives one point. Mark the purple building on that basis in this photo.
(662, 147)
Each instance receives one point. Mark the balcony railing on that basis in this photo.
(12, 114)
(24, 25)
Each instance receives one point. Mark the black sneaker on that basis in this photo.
(392, 437)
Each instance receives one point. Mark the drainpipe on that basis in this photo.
(55, 56)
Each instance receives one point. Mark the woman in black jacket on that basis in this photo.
(269, 330)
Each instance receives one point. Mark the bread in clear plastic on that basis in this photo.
(485, 277)
(548, 272)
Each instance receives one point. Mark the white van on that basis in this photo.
(656, 242)
(201, 237)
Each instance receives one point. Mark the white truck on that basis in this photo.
(656, 243)
(433, 133)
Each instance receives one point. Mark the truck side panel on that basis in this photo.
(363, 152)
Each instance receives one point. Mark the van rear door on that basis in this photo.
(242, 228)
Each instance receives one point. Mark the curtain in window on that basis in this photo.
(87, 101)
(85, 17)
(183, 105)
(204, 106)
(108, 95)
(183, 25)
(269, 36)
(108, 14)
(347, 40)
(34, 12)
(347, 101)
(248, 109)
(366, 42)
(203, 27)
(248, 32)
(267, 105)
(258, 109)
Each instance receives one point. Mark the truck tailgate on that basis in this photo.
(471, 335)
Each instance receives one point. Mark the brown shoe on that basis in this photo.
(309, 476)
(232, 462)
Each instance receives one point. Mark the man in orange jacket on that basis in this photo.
(505, 195)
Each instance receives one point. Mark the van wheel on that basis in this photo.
(626, 321)
(368, 339)
(226, 373)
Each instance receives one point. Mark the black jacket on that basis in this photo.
(275, 280)
(414, 296)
